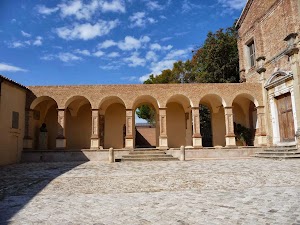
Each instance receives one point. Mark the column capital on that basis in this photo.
(162, 108)
(95, 110)
(195, 107)
(60, 109)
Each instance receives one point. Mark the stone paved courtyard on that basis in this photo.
(244, 191)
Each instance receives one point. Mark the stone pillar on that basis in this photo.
(61, 142)
(230, 136)
(95, 129)
(129, 143)
(111, 155)
(260, 134)
(262, 138)
(197, 138)
(163, 138)
(28, 140)
(182, 153)
(101, 131)
(294, 59)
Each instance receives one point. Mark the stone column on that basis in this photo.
(61, 142)
(260, 134)
(101, 131)
(263, 136)
(28, 141)
(129, 143)
(163, 138)
(230, 136)
(95, 129)
(197, 138)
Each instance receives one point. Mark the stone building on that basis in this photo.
(268, 45)
(266, 102)
(12, 120)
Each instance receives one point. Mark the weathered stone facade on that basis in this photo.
(273, 28)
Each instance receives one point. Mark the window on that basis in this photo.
(15, 120)
(251, 50)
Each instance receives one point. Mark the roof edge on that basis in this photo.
(13, 82)
(243, 14)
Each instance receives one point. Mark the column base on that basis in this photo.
(197, 142)
(27, 143)
(129, 143)
(163, 142)
(261, 140)
(230, 141)
(61, 143)
(95, 143)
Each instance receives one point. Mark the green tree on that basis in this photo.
(147, 113)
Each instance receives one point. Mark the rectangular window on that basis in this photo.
(251, 50)
(15, 120)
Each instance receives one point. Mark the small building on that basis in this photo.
(268, 45)
(12, 120)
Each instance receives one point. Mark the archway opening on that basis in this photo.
(205, 126)
(179, 121)
(145, 126)
(78, 123)
(44, 112)
(245, 120)
(212, 121)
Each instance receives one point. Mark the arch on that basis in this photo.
(277, 78)
(246, 96)
(145, 99)
(78, 99)
(78, 122)
(215, 123)
(40, 99)
(214, 100)
(45, 111)
(245, 118)
(107, 101)
(181, 99)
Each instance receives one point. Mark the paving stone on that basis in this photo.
(248, 191)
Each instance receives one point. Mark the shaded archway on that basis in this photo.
(179, 121)
(44, 111)
(245, 119)
(212, 120)
(146, 134)
(113, 113)
(78, 123)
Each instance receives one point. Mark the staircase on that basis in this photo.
(279, 152)
(147, 155)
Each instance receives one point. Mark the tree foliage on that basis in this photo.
(216, 61)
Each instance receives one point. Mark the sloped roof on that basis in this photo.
(244, 13)
(12, 82)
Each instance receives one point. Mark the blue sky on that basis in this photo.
(59, 42)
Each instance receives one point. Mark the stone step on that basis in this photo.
(279, 152)
(148, 156)
(278, 156)
(280, 149)
(146, 152)
(149, 159)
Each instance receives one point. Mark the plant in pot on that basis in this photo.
(242, 135)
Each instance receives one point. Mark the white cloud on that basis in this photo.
(182, 53)
(78, 9)
(131, 43)
(107, 44)
(130, 78)
(153, 5)
(233, 4)
(158, 47)
(139, 19)
(63, 56)
(113, 6)
(188, 6)
(46, 11)
(9, 68)
(86, 31)
(17, 44)
(38, 41)
(151, 56)
(134, 60)
(25, 34)
(113, 55)
(98, 53)
(83, 52)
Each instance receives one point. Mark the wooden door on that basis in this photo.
(285, 118)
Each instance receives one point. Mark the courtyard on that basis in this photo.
(239, 191)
